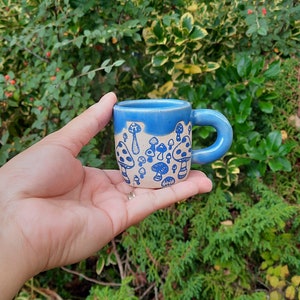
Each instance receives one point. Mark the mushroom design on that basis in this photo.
(169, 180)
(142, 172)
(141, 160)
(161, 148)
(179, 131)
(137, 179)
(125, 160)
(182, 153)
(135, 128)
(160, 169)
(170, 144)
(168, 157)
(151, 151)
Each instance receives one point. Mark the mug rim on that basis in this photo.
(162, 104)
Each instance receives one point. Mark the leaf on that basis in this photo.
(273, 141)
(68, 74)
(243, 66)
(91, 74)
(119, 62)
(290, 292)
(78, 41)
(187, 22)
(108, 69)
(296, 280)
(262, 31)
(274, 281)
(85, 69)
(100, 265)
(158, 30)
(159, 60)
(266, 107)
(166, 88)
(73, 81)
(275, 296)
(105, 63)
(211, 66)
(280, 164)
(251, 29)
(284, 271)
(198, 33)
(273, 70)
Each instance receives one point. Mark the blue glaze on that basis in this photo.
(209, 117)
(154, 140)
(160, 116)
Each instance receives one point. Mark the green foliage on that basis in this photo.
(273, 26)
(106, 293)
(58, 57)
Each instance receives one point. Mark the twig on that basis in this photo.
(148, 290)
(119, 261)
(90, 279)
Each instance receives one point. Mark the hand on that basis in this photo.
(54, 211)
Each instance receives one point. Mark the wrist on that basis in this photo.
(14, 268)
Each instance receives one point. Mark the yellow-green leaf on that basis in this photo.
(296, 280)
(188, 68)
(166, 87)
(284, 272)
(275, 296)
(290, 292)
(274, 281)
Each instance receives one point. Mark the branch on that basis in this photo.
(119, 261)
(90, 279)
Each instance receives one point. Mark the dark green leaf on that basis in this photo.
(273, 70)
(273, 141)
(243, 66)
(266, 107)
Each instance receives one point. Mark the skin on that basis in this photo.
(54, 211)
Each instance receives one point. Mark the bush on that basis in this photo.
(242, 240)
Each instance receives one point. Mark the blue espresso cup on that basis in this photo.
(153, 140)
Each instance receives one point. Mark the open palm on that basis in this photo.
(59, 211)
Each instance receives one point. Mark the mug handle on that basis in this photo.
(209, 117)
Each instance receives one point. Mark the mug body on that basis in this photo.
(153, 141)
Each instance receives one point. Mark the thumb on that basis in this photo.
(78, 132)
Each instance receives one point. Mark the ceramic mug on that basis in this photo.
(153, 140)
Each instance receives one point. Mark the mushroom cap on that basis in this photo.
(153, 141)
(179, 128)
(123, 155)
(161, 148)
(160, 167)
(142, 159)
(171, 142)
(169, 180)
(149, 152)
(183, 151)
(134, 128)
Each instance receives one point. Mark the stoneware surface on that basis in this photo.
(153, 140)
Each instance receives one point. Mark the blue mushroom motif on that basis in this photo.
(161, 148)
(169, 180)
(125, 160)
(179, 131)
(182, 153)
(160, 169)
(135, 128)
